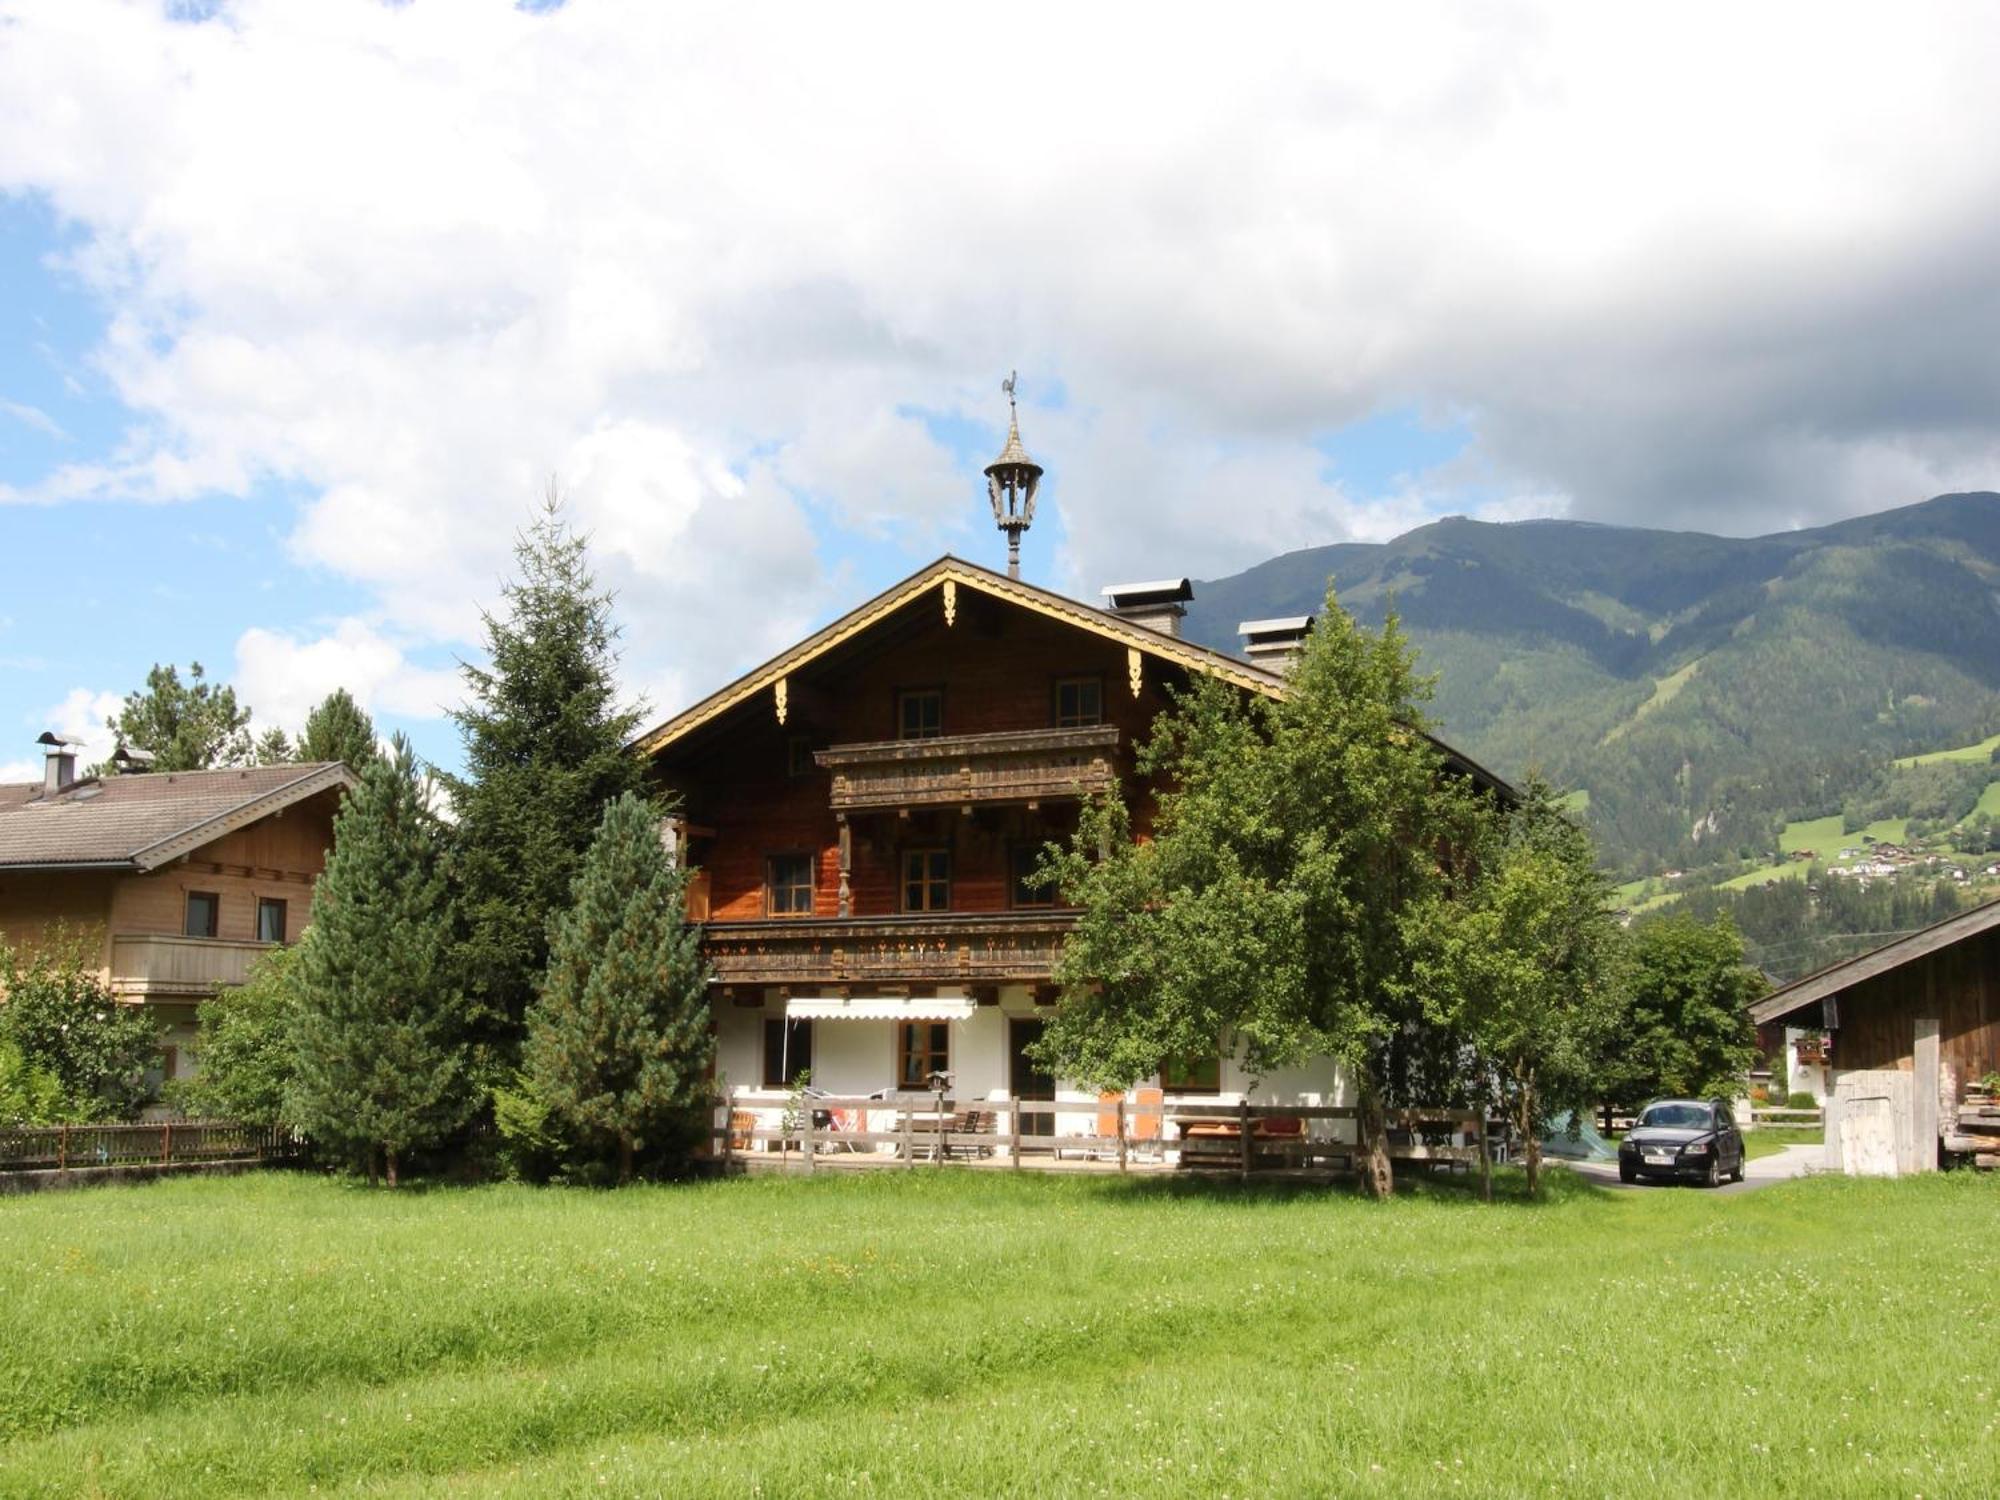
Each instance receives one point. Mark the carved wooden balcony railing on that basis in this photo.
(1030, 765)
(167, 966)
(987, 948)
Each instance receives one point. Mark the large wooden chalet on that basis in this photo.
(863, 808)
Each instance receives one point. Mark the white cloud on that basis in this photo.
(81, 715)
(284, 678)
(703, 264)
(35, 417)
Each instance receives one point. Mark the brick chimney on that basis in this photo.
(1273, 643)
(1159, 605)
(58, 762)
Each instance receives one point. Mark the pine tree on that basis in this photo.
(273, 748)
(339, 729)
(380, 1063)
(188, 726)
(618, 1040)
(544, 751)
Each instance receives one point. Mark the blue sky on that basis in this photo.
(304, 306)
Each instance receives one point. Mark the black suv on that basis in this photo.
(1693, 1139)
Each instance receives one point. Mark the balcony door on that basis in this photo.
(1026, 1080)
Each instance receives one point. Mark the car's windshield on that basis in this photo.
(1678, 1116)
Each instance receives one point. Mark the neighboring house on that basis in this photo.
(863, 811)
(1912, 1024)
(179, 879)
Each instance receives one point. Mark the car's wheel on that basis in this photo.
(1627, 1173)
(1736, 1172)
(1714, 1177)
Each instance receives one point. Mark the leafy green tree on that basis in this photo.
(245, 1050)
(381, 1064)
(68, 1024)
(1687, 1031)
(1525, 966)
(544, 751)
(618, 1039)
(28, 1095)
(339, 729)
(187, 726)
(274, 748)
(1292, 844)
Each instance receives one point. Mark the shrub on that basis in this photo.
(245, 1048)
(67, 1023)
(1799, 1099)
(28, 1095)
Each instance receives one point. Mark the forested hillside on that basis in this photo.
(1704, 691)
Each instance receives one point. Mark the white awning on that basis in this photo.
(883, 1008)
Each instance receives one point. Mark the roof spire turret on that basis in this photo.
(1010, 483)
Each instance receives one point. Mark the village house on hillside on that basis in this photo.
(179, 879)
(863, 811)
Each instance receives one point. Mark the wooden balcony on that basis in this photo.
(1023, 766)
(147, 965)
(984, 948)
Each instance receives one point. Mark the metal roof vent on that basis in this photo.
(1158, 605)
(1274, 643)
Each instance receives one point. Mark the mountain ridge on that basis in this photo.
(1703, 689)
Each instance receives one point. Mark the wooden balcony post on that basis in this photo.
(1243, 1134)
(846, 865)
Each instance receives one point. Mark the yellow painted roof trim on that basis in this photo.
(965, 575)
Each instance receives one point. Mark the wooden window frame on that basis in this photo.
(1016, 901)
(214, 900)
(926, 880)
(284, 918)
(935, 1052)
(904, 695)
(772, 887)
(1075, 679)
(766, 1064)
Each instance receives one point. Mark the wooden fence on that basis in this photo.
(42, 1148)
(1239, 1138)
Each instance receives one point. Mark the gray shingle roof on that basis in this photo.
(139, 822)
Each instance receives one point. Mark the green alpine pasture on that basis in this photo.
(1964, 754)
(940, 1332)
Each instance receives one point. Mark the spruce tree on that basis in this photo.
(544, 751)
(339, 729)
(618, 1039)
(380, 1062)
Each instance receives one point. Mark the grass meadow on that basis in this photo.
(940, 1332)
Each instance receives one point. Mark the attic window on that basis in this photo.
(1079, 702)
(920, 714)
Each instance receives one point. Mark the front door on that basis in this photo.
(1024, 1079)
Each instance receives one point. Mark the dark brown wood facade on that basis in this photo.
(867, 815)
(1871, 1006)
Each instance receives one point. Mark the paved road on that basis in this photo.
(1790, 1162)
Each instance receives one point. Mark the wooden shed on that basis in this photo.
(1914, 1028)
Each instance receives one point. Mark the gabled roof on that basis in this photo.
(965, 575)
(1849, 972)
(142, 822)
(956, 573)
